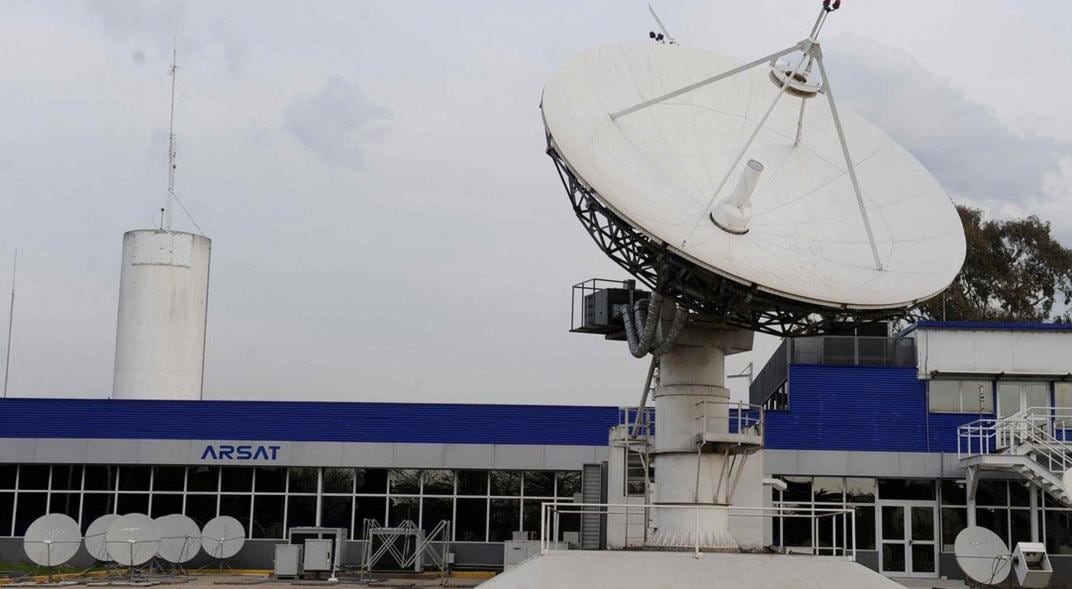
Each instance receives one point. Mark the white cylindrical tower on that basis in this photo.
(163, 308)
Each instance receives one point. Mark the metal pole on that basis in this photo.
(10, 322)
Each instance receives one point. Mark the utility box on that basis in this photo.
(288, 561)
(1032, 564)
(317, 556)
(516, 552)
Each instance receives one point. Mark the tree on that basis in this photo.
(1013, 271)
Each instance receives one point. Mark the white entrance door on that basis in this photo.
(1014, 397)
(908, 544)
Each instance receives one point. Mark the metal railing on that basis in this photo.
(842, 523)
(1044, 431)
(639, 421)
(740, 417)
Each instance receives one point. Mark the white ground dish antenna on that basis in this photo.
(724, 169)
(982, 555)
(180, 538)
(132, 539)
(223, 537)
(52, 540)
(95, 542)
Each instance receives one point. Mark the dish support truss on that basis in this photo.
(408, 545)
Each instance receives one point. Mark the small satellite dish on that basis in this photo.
(52, 539)
(180, 538)
(132, 539)
(223, 537)
(95, 537)
(982, 555)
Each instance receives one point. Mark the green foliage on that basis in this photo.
(1014, 271)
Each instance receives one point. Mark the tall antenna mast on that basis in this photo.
(10, 322)
(165, 213)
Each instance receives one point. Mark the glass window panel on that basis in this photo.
(403, 509)
(540, 483)
(923, 558)
(922, 523)
(530, 517)
(1059, 532)
(30, 507)
(301, 511)
(1019, 493)
(100, 478)
(201, 508)
(338, 480)
(133, 503)
(472, 517)
(7, 479)
(568, 522)
(7, 506)
(337, 512)
(271, 479)
(860, 490)
(236, 506)
(302, 480)
(1008, 398)
(439, 482)
(134, 478)
(505, 482)
(1062, 394)
(944, 396)
(797, 489)
(991, 492)
(1021, 526)
(796, 531)
(1036, 394)
(829, 489)
(569, 483)
(976, 396)
(473, 482)
(371, 508)
(893, 522)
(865, 527)
(203, 478)
(954, 492)
(893, 557)
(954, 519)
(995, 520)
(95, 505)
(371, 480)
(169, 478)
(267, 516)
(66, 503)
(33, 476)
(435, 510)
(66, 478)
(405, 481)
(505, 519)
(166, 504)
(237, 479)
(910, 489)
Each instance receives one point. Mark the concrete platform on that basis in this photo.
(681, 570)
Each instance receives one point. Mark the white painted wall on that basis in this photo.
(993, 351)
(163, 305)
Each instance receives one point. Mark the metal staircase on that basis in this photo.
(1032, 443)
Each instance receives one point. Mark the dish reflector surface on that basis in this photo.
(95, 537)
(223, 537)
(52, 539)
(982, 555)
(132, 539)
(180, 538)
(658, 168)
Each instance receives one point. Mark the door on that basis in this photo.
(1014, 397)
(908, 544)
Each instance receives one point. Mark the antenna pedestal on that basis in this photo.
(696, 442)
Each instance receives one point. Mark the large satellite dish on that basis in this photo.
(982, 555)
(132, 539)
(223, 537)
(743, 191)
(180, 538)
(52, 539)
(95, 537)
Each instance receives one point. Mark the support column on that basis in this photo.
(691, 373)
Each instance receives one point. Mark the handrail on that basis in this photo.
(748, 417)
(1033, 427)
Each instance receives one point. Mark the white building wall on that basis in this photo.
(163, 306)
(1042, 352)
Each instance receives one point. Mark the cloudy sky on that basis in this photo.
(385, 224)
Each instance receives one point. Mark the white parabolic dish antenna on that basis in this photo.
(223, 536)
(132, 539)
(180, 538)
(52, 539)
(643, 130)
(95, 537)
(982, 555)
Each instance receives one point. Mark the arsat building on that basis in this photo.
(906, 431)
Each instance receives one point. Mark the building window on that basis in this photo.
(960, 396)
(636, 475)
(805, 497)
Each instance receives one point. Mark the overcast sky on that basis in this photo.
(385, 223)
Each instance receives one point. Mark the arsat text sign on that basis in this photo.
(239, 452)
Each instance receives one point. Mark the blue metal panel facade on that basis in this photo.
(296, 421)
(861, 408)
